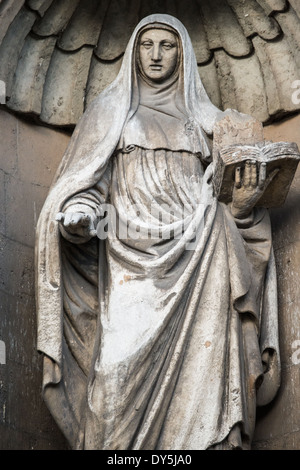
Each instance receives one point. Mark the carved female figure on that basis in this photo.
(154, 342)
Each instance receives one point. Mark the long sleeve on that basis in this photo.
(88, 202)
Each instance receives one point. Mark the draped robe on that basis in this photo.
(154, 342)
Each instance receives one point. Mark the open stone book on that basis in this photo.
(278, 155)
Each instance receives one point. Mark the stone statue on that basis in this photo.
(157, 311)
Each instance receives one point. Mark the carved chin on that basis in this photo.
(158, 73)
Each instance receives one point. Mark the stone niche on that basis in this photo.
(30, 155)
(229, 66)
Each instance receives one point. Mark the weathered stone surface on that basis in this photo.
(24, 209)
(8, 12)
(278, 427)
(295, 5)
(279, 71)
(272, 5)
(191, 15)
(237, 130)
(85, 26)
(29, 157)
(2, 198)
(25, 423)
(25, 181)
(223, 29)
(286, 220)
(30, 75)
(121, 18)
(258, 42)
(288, 266)
(211, 81)
(282, 420)
(241, 85)
(289, 441)
(12, 45)
(253, 19)
(290, 24)
(64, 91)
(41, 6)
(33, 141)
(9, 144)
(16, 278)
(100, 77)
(55, 18)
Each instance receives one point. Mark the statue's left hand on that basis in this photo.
(249, 189)
(77, 223)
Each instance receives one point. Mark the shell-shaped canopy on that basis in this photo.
(57, 55)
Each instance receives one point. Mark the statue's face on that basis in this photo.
(158, 51)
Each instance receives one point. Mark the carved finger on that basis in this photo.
(92, 230)
(253, 174)
(238, 177)
(76, 219)
(68, 220)
(262, 175)
(247, 173)
(71, 219)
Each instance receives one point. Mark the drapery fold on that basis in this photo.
(131, 328)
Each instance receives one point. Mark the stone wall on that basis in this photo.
(29, 156)
(278, 426)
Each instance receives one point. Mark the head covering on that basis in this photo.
(164, 27)
(92, 144)
(162, 120)
(99, 130)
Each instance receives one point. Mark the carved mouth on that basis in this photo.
(156, 67)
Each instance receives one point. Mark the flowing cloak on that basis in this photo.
(153, 348)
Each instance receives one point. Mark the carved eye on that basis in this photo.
(147, 44)
(168, 45)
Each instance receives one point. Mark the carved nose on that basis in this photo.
(156, 54)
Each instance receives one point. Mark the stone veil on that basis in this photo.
(154, 343)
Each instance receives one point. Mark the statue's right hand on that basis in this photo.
(77, 223)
